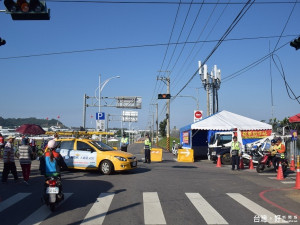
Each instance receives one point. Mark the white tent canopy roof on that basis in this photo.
(225, 120)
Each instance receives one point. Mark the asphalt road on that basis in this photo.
(166, 192)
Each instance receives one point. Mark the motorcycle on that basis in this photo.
(53, 192)
(266, 161)
(254, 153)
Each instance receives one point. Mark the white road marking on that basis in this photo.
(288, 182)
(256, 209)
(97, 213)
(210, 215)
(12, 200)
(41, 214)
(153, 213)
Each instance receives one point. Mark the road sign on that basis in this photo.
(198, 115)
(185, 155)
(100, 116)
(100, 124)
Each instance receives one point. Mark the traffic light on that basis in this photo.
(164, 96)
(27, 10)
(2, 42)
(296, 43)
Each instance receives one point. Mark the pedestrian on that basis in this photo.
(124, 143)
(9, 160)
(280, 156)
(235, 153)
(33, 147)
(147, 148)
(25, 152)
(1, 144)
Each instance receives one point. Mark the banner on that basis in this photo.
(254, 134)
(185, 137)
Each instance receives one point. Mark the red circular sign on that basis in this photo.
(198, 114)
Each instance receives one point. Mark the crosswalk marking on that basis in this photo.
(12, 200)
(210, 215)
(99, 209)
(153, 213)
(41, 214)
(255, 208)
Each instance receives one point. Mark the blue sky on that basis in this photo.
(51, 85)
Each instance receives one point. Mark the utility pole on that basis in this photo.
(84, 111)
(166, 80)
(156, 122)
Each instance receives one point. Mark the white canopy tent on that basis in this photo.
(225, 120)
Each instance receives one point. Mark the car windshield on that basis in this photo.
(101, 146)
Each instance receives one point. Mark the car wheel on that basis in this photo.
(106, 167)
(225, 159)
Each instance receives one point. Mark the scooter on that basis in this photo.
(53, 192)
(266, 161)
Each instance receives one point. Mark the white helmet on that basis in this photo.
(52, 144)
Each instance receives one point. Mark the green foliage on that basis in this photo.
(13, 122)
(162, 128)
(163, 142)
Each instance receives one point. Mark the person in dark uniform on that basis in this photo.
(235, 153)
(124, 143)
(147, 148)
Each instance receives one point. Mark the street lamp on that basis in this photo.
(100, 88)
(190, 96)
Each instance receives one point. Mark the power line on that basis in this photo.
(137, 46)
(191, 51)
(168, 2)
(233, 24)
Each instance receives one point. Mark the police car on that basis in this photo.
(87, 154)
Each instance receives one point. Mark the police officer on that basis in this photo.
(235, 153)
(280, 156)
(124, 143)
(147, 148)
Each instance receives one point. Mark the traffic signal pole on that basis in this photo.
(166, 80)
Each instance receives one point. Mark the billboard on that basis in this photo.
(130, 116)
(129, 102)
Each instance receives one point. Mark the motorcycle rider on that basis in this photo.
(273, 151)
(52, 162)
(280, 156)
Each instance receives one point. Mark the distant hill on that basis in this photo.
(15, 122)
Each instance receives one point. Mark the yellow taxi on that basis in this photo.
(87, 154)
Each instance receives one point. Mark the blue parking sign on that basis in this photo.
(100, 116)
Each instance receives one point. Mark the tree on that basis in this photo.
(162, 128)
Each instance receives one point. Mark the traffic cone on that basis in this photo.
(280, 172)
(241, 163)
(251, 167)
(219, 162)
(297, 185)
(292, 167)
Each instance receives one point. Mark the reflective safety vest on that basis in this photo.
(147, 144)
(281, 151)
(124, 140)
(235, 148)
